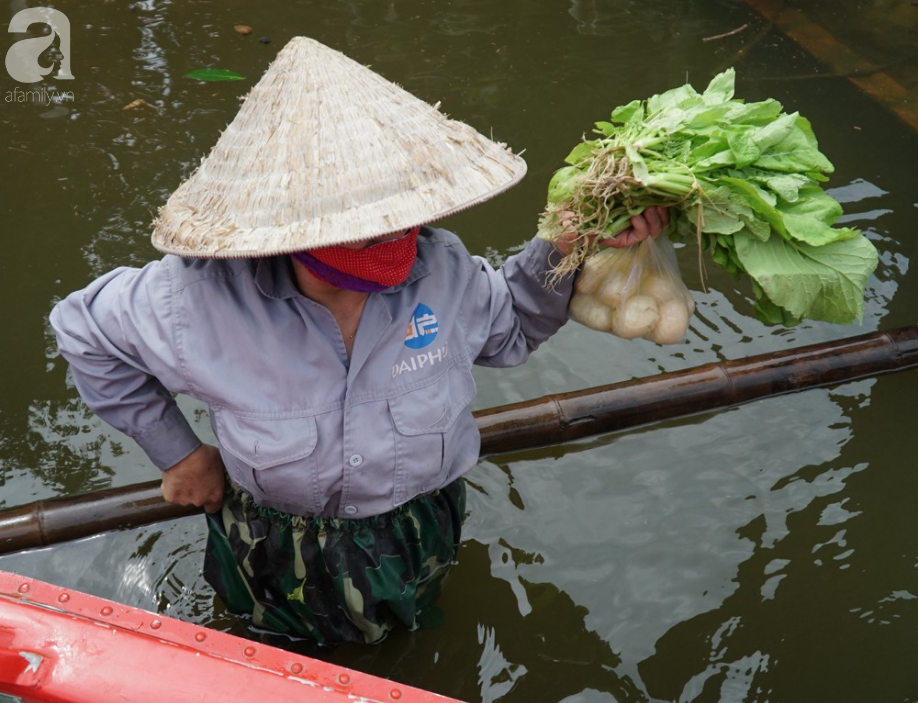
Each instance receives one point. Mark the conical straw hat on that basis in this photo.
(325, 151)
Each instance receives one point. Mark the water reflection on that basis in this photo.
(617, 18)
(843, 562)
(72, 451)
(157, 568)
(487, 649)
(668, 521)
(883, 31)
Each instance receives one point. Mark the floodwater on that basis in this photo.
(764, 553)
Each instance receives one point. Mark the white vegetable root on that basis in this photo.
(658, 288)
(636, 318)
(634, 292)
(613, 292)
(588, 311)
(593, 274)
(673, 324)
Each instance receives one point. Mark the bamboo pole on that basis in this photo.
(567, 416)
(548, 420)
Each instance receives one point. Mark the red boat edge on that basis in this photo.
(61, 645)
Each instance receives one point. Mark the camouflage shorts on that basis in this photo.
(331, 579)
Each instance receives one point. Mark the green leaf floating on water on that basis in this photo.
(748, 175)
(214, 74)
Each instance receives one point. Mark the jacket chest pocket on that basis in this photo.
(271, 456)
(424, 418)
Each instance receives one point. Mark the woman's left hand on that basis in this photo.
(648, 225)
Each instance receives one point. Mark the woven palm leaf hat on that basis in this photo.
(325, 151)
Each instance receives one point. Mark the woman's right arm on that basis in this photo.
(117, 334)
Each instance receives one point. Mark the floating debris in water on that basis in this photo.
(214, 74)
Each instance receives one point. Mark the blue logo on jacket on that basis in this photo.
(422, 328)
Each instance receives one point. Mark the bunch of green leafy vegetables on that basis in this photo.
(742, 178)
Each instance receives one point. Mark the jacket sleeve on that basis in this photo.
(117, 335)
(512, 309)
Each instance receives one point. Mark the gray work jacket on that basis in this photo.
(302, 427)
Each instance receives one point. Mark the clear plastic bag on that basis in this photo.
(634, 292)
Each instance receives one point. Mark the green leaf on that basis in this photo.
(810, 217)
(759, 200)
(214, 74)
(607, 129)
(720, 256)
(795, 152)
(768, 312)
(816, 176)
(708, 148)
(724, 211)
(724, 254)
(632, 112)
(744, 148)
(775, 132)
(580, 153)
(720, 89)
(821, 283)
(759, 229)
(704, 118)
(786, 185)
(754, 114)
(813, 231)
(563, 184)
(803, 124)
(721, 159)
(682, 96)
(720, 221)
(813, 201)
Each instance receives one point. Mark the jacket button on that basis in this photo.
(350, 509)
(355, 460)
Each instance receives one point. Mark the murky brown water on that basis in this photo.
(767, 553)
